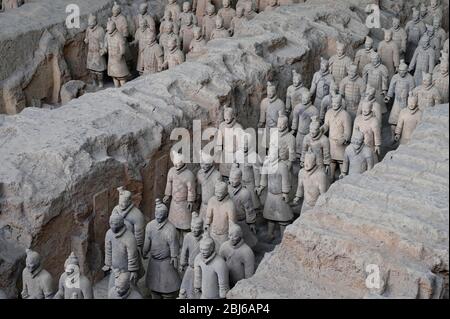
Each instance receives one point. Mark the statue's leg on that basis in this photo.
(122, 82)
(271, 229)
(332, 170)
(116, 82)
(283, 228)
(94, 77)
(393, 132)
(100, 79)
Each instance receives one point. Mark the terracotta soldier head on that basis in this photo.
(403, 68)
(143, 24)
(235, 178)
(72, 268)
(169, 27)
(122, 283)
(437, 22)
(353, 71)
(357, 140)
(423, 10)
(116, 223)
(32, 261)
(395, 23)
(415, 15)
(388, 35)
(306, 98)
(283, 122)
(186, 6)
(220, 191)
(427, 80)
(271, 90)
(92, 21)
(368, 44)
(124, 198)
(314, 127)
(143, 8)
(219, 22)
(207, 246)
(161, 211)
(177, 160)
(111, 26)
(336, 102)
(210, 9)
(235, 234)
(434, 4)
(340, 49)
(376, 59)
(444, 67)
(366, 108)
(196, 224)
(229, 115)
(116, 9)
(413, 102)
(198, 33)
(297, 80)
(310, 161)
(324, 65)
(430, 31)
(226, 3)
(206, 162)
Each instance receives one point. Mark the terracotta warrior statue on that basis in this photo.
(285, 142)
(389, 53)
(37, 282)
(312, 182)
(219, 32)
(174, 9)
(175, 56)
(243, 203)
(440, 34)
(237, 20)
(187, 33)
(133, 217)
(295, 91)
(376, 107)
(116, 48)
(325, 105)
(249, 10)
(377, 76)
(276, 177)
(211, 274)
(181, 188)
(399, 36)
(207, 177)
(368, 124)
(144, 15)
(187, 17)
(423, 60)
(362, 57)
(120, 20)
(401, 84)
(165, 37)
(352, 89)
(250, 165)
(199, 7)
(140, 39)
(121, 252)
(441, 81)
(153, 55)
(301, 118)
(407, 120)
(442, 59)
(220, 214)
(162, 248)
(190, 250)
(228, 140)
(238, 256)
(269, 111)
(320, 84)
(338, 124)
(73, 282)
(198, 43)
(358, 157)
(318, 143)
(209, 21)
(227, 13)
(415, 29)
(122, 288)
(427, 94)
(437, 10)
(167, 18)
(96, 62)
(339, 64)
